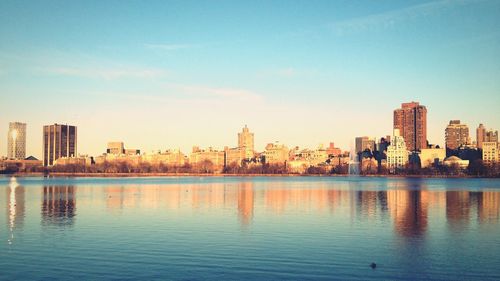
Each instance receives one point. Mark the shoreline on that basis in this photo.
(147, 175)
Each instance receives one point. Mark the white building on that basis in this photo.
(490, 152)
(397, 154)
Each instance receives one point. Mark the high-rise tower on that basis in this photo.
(411, 121)
(245, 141)
(16, 141)
(58, 141)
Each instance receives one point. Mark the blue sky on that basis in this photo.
(173, 74)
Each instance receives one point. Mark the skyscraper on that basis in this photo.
(456, 134)
(245, 140)
(58, 141)
(411, 121)
(480, 134)
(16, 141)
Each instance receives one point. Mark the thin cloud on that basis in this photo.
(392, 18)
(108, 74)
(170, 47)
(288, 72)
(217, 92)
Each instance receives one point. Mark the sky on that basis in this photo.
(159, 75)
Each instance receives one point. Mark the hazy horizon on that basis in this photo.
(169, 74)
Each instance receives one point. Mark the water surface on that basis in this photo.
(249, 228)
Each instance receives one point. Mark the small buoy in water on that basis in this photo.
(373, 265)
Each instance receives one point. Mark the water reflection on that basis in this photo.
(15, 207)
(58, 205)
(408, 208)
(458, 204)
(245, 203)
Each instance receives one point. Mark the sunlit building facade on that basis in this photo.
(276, 153)
(490, 152)
(16, 141)
(431, 156)
(456, 135)
(246, 142)
(397, 152)
(411, 121)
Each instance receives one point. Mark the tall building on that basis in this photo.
(411, 121)
(245, 141)
(16, 141)
(363, 143)
(58, 141)
(456, 135)
(480, 134)
(397, 152)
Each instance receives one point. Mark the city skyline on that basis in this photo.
(355, 143)
(305, 74)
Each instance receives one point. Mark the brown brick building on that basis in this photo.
(411, 121)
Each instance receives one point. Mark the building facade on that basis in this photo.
(170, 158)
(235, 156)
(411, 121)
(491, 136)
(456, 135)
(490, 152)
(276, 153)
(201, 156)
(115, 147)
(431, 156)
(58, 141)
(246, 142)
(16, 141)
(397, 152)
(480, 135)
(363, 143)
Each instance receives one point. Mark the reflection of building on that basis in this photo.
(245, 202)
(397, 154)
(411, 120)
(367, 202)
(16, 141)
(15, 207)
(489, 206)
(456, 135)
(431, 156)
(457, 208)
(408, 208)
(58, 141)
(58, 205)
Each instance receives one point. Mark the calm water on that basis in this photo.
(303, 228)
